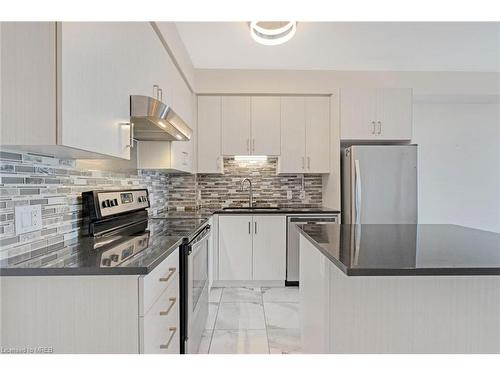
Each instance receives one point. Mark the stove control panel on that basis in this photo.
(118, 202)
(124, 251)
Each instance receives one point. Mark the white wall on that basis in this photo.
(459, 163)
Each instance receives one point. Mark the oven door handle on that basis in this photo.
(204, 233)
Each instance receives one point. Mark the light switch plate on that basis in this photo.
(288, 194)
(28, 218)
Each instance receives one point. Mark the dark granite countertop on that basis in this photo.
(85, 255)
(406, 249)
(282, 210)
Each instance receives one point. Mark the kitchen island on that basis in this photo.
(399, 289)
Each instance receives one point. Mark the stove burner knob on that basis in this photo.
(106, 262)
(104, 205)
(114, 258)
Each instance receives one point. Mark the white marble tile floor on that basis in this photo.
(252, 321)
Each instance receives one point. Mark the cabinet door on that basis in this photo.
(209, 134)
(102, 63)
(394, 114)
(235, 247)
(357, 113)
(293, 133)
(318, 134)
(269, 247)
(265, 125)
(235, 125)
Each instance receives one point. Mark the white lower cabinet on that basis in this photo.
(252, 247)
(269, 247)
(159, 316)
(159, 328)
(235, 247)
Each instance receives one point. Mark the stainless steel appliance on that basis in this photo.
(108, 212)
(379, 185)
(194, 289)
(292, 245)
(153, 120)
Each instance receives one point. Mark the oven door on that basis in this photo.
(197, 289)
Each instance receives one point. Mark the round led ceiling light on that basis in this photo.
(272, 33)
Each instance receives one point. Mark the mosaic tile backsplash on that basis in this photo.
(57, 184)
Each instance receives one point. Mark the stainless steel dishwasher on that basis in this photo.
(292, 243)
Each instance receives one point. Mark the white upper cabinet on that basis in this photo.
(318, 134)
(265, 129)
(357, 113)
(376, 114)
(209, 135)
(293, 135)
(236, 125)
(305, 135)
(77, 78)
(99, 70)
(394, 114)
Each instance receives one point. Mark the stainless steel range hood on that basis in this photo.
(155, 121)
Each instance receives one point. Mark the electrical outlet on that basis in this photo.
(289, 194)
(302, 195)
(28, 218)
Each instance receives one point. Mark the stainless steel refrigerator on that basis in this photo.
(379, 185)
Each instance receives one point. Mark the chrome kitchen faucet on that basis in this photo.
(250, 195)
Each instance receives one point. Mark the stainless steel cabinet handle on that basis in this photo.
(249, 230)
(253, 144)
(308, 162)
(373, 127)
(379, 127)
(160, 95)
(155, 91)
(255, 227)
(172, 334)
(131, 140)
(172, 303)
(248, 145)
(303, 162)
(171, 272)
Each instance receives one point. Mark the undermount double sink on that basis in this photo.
(250, 208)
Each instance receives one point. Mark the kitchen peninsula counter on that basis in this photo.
(399, 289)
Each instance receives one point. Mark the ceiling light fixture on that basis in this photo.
(272, 33)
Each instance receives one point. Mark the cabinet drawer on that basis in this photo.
(154, 284)
(160, 330)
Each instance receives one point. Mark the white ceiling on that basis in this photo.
(348, 46)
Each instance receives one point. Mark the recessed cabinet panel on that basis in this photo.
(265, 132)
(293, 133)
(235, 125)
(209, 134)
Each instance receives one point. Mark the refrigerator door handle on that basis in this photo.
(357, 191)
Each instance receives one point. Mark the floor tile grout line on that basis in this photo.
(265, 322)
(215, 322)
